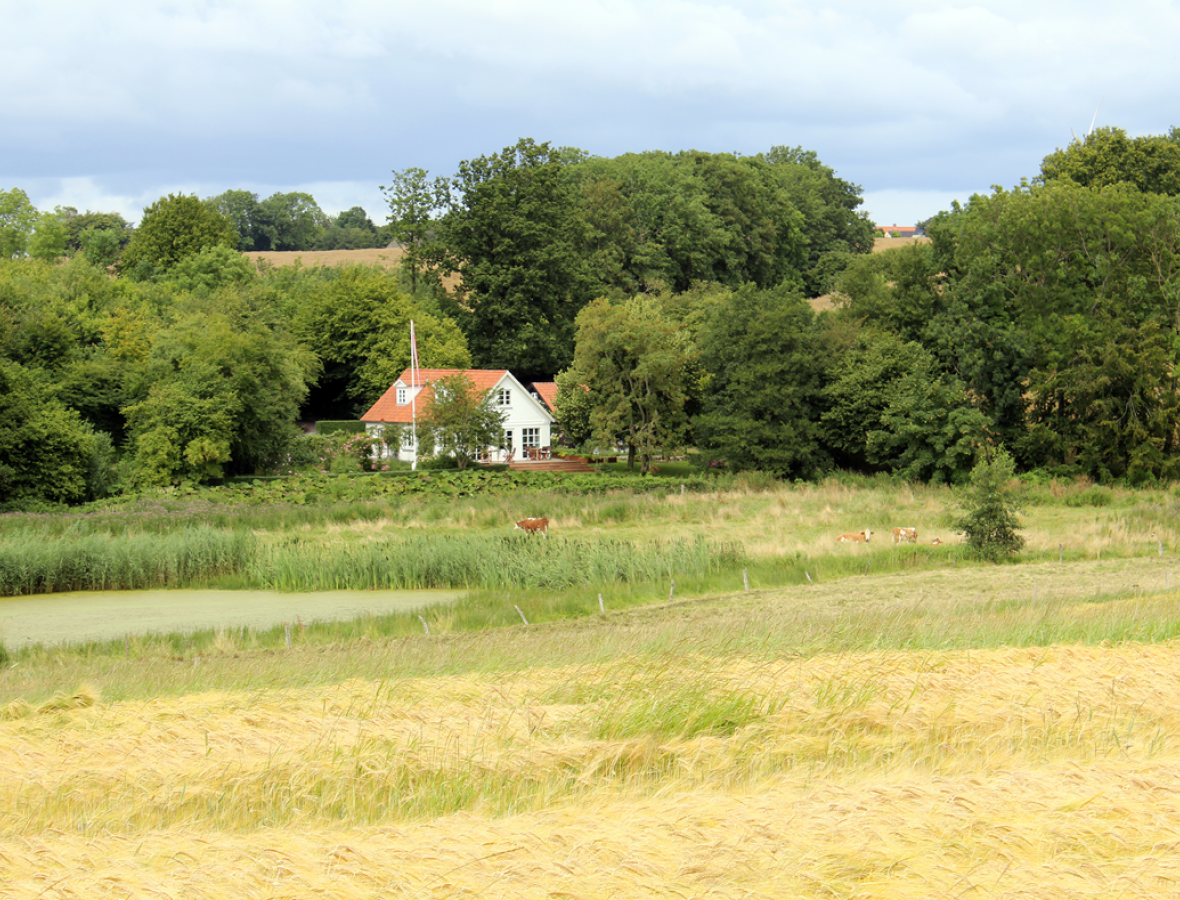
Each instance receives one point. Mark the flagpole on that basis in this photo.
(414, 394)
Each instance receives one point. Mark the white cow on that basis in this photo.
(855, 537)
(907, 535)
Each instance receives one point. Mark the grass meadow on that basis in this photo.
(862, 722)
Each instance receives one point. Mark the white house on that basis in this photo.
(528, 424)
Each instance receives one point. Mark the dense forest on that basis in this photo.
(671, 295)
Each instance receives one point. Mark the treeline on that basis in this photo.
(141, 357)
(110, 384)
(291, 221)
(1042, 320)
(535, 232)
(667, 293)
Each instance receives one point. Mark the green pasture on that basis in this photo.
(640, 544)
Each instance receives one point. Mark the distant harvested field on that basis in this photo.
(376, 256)
(887, 243)
(819, 304)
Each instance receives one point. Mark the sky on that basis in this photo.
(110, 106)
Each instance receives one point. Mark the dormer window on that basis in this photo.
(504, 397)
(403, 396)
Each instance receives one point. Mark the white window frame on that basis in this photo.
(506, 441)
(504, 397)
(530, 438)
(403, 396)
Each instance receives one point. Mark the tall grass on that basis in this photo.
(486, 561)
(31, 564)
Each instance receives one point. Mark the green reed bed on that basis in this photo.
(32, 562)
(486, 561)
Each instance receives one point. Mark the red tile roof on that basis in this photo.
(387, 409)
(548, 392)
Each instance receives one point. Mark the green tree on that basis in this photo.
(573, 409)
(356, 217)
(930, 429)
(862, 381)
(292, 221)
(634, 364)
(762, 394)
(1108, 156)
(219, 392)
(173, 228)
(210, 269)
(18, 218)
(357, 322)
(460, 420)
(1111, 406)
(101, 246)
(46, 450)
(654, 221)
(989, 517)
(512, 232)
(249, 220)
(413, 202)
(79, 223)
(832, 222)
(50, 237)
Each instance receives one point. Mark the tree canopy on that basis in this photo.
(512, 233)
(172, 228)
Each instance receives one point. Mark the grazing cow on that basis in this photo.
(532, 526)
(855, 537)
(905, 534)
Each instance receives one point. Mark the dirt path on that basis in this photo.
(82, 616)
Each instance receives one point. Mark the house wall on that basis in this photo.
(522, 412)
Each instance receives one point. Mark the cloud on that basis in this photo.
(138, 97)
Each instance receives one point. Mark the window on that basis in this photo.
(402, 396)
(506, 444)
(504, 397)
(408, 438)
(530, 437)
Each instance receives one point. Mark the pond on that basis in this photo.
(80, 616)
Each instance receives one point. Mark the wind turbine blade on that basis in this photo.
(1095, 119)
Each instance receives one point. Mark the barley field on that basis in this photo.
(927, 730)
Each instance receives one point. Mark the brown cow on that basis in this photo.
(855, 537)
(936, 542)
(909, 535)
(532, 526)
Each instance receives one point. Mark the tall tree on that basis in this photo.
(414, 200)
(219, 392)
(292, 221)
(246, 215)
(358, 325)
(45, 448)
(512, 233)
(172, 228)
(761, 398)
(634, 364)
(18, 218)
(1108, 156)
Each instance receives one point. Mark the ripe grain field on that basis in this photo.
(945, 730)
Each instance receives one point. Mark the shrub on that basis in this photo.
(989, 519)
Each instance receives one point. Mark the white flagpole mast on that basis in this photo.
(414, 393)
